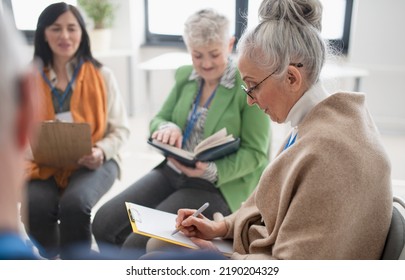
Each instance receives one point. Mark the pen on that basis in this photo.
(196, 213)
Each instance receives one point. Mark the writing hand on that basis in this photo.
(200, 226)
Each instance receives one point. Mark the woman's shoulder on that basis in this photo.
(107, 74)
(183, 73)
(103, 70)
(106, 71)
(184, 70)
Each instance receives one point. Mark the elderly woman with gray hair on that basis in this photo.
(206, 97)
(327, 194)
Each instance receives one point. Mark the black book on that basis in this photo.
(214, 147)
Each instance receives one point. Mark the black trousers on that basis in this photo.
(162, 189)
(56, 219)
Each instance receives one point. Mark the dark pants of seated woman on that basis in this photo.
(56, 219)
(162, 189)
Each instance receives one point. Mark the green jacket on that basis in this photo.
(239, 172)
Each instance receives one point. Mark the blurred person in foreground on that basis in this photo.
(17, 91)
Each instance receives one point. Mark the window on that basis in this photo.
(26, 13)
(165, 28)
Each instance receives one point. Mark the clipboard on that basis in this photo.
(159, 224)
(61, 144)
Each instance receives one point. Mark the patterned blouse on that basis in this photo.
(197, 133)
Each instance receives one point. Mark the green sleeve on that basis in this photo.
(254, 149)
(166, 113)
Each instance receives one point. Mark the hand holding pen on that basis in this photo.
(195, 214)
(203, 228)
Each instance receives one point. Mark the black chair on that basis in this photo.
(394, 248)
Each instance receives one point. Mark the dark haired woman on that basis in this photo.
(75, 88)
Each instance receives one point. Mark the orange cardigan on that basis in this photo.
(88, 104)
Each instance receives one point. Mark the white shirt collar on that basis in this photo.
(70, 66)
(308, 100)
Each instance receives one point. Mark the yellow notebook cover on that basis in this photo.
(159, 224)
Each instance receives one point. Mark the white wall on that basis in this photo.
(378, 44)
(123, 57)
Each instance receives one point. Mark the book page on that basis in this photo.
(160, 225)
(174, 150)
(218, 138)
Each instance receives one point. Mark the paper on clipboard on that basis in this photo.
(61, 144)
(159, 224)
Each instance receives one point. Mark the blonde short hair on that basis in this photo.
(206, 27)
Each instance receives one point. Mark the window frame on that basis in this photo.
(154, 39)
(28, 34)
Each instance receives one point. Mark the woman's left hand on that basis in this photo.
(196, 171)
(94, 160)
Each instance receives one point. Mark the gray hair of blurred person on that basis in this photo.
(13, 60)
(289, 31)
(206, 27)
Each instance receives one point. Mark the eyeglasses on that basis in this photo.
(248, 91)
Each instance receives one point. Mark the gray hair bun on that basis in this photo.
(298, 12)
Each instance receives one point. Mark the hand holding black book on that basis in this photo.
(212, 148)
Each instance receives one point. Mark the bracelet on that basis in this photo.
(211, 173)
(168, 124)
